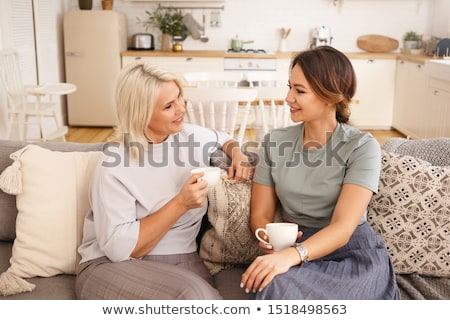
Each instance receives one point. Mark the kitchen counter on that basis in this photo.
(205, 54)
(281, 55)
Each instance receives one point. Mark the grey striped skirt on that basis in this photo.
(161, 277)
(362, 269)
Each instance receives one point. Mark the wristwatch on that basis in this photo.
(302, 251)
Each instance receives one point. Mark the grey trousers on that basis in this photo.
(163, 277)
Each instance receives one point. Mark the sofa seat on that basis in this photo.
(227, 274)
(60, 287)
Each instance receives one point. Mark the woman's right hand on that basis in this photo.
(264, 268)
(193, 193)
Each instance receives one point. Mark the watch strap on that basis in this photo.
(302, 251)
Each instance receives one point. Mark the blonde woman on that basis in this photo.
(139, 239)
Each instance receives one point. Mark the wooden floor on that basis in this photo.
(94, 134)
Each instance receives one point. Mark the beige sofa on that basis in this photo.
(40, 226)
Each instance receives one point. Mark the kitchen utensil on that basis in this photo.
(237, 44)
(321, 37)
(431, 46)
(142, 41)
(215, 19)
(283, 41)
(192, 25)
(376, 43)
(203, 37)
(288, 32)
(443, 48)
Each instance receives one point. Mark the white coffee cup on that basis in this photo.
(212, 175)
(281, 234)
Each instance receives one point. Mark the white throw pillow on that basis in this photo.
(51, 209)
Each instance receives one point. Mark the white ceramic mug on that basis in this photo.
(212, 175)
(281, 234)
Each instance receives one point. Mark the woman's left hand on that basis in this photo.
(241, 168)
(264, 268)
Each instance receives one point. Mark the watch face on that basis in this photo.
(303, 252)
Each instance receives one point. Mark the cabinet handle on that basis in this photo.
(138, 58)
(419, 66)
(436, 92)
(73, 54)
(189, 59)
(370, 61)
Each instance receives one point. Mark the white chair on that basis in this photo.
(272, 110)
(29, 105)
(273, 107)
(213, 79)
(221, 108)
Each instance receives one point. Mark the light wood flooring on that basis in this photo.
(101, 134)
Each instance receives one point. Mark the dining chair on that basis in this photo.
(30, 104)
(272, 110)
(213, 79)
(221, 108)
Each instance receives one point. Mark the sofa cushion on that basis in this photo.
(51, 209)
(8, 210)
(229, 242)
(227, 282)
(412, 214)
(434, 150)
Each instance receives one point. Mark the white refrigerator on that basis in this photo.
(93, 41)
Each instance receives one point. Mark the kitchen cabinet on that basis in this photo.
(129, 59)
(180, 65)
(410, 102)
(436, 116)
(374, 98)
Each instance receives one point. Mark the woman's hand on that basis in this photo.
(194, 192)
(264, 268)
(240, 169)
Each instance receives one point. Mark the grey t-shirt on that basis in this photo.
(123, 191)
(308, 182)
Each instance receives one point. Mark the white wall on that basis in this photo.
(261, 20)
(441, 18)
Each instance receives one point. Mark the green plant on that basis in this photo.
(167, 19)
(411, 36)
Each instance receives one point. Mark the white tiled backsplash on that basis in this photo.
(261, 21)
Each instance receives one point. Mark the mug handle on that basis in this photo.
(258, 237)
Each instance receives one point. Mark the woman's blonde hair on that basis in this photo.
(136, 92)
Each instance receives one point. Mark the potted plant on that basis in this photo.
(168, 20)
(411, 40)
